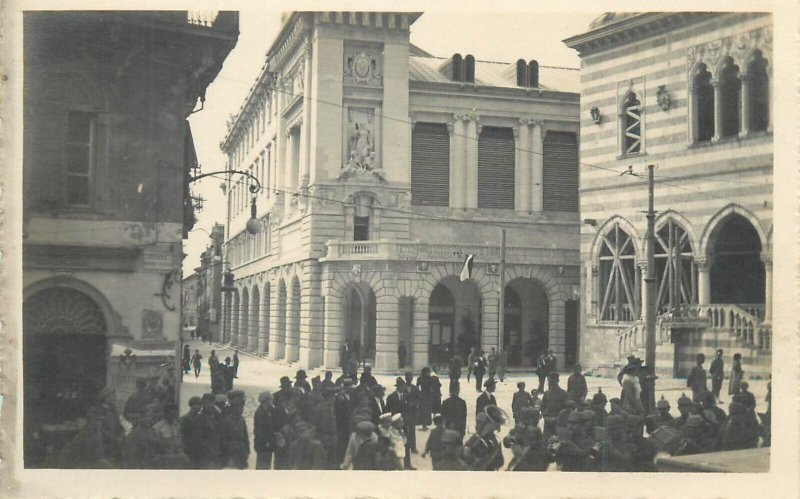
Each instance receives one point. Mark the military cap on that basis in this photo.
(574, 417)
(220, 398)
(553, 376)
(662, 403)
(264, 396)
(684, 400)
(736, 408)
(633, 420)
(570, 404)
(587, 415)
(397, 417)
(365, 427)
(599, 397)
(301, 374)
(490, 382)
(195, 401)
(235, 394)
(285, 379)
(694, 421)
(614, 421)
(399, 381)
(208, 397)
(386, 416)
(450, 437)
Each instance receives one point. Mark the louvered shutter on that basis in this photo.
(430, 165)
(560, 172)
(496, 168)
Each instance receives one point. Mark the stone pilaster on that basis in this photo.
(421, 334)
(293, 312)
(386, 331)
(333, 328)
(277, 338)
(311, 341)
(264, 320)
(537, 167)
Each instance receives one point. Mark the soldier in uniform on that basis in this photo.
(433, 445)
(305, 451)
(482, 451)
(697, 379)
(694, 439)
(140, 446)
(138, 400)
(191, 434)
(87, 449)
(169, 440)
(365, 432)
(527, 443)
(520, 400)
(613, 454)
(211, 444)
(576, 385)
(739, 431)
(301, 381)
(642, 450)
(454, 410)
(684, 408)
(661, 418)
(264, 431)
(717, 372)
(599, 401)
(553, 402)
(573, 449)
(450, 459)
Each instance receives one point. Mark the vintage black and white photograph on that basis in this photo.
(368, 240)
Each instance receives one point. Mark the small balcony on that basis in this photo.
(419, 251)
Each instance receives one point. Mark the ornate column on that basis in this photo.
(458, 171)
(537, 167)
(691, 97)
(471, 142)
(766, 258)
(717, 109)
(523, 167)
(386, 332)
(305, 141)
(744, 95)
(277, 325)
(703, 280)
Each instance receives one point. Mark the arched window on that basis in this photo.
(730, 98)
(676, 274)
(363, 218)
(631, 125)
(703, 103)
(618, 277)
(469, 69)
(758, 92)
(533, 74)
(522, 68)
(458, 68)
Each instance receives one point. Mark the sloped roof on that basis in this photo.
(496, 74)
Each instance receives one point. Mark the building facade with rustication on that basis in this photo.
(382, 168)
(692, 94)
(107, 157)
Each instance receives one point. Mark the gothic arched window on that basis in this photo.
(730, 91)
(758, 92)
(618, 277)
(703, 103)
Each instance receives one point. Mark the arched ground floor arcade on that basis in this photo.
(402, 314)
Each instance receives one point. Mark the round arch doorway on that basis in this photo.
(64, 367)
(454, 320)
(737, 273)
(359, 322)
(525, 322)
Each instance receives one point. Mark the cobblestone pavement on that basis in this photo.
(259, 374)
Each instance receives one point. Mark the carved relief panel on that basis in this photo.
(363, 65)
(361, 142)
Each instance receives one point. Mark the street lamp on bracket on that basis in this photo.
(253, 226)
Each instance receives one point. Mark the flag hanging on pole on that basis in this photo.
(466, 270)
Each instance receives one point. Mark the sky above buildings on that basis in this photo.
(490, 35)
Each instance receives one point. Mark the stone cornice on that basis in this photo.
(633, 28)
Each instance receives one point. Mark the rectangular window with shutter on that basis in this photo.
(430, 165)
(496, 156)
(560, 172)
(80, 157)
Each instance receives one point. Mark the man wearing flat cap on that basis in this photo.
(364, 432)
(553, 402)
(486, 397)
(264, 431)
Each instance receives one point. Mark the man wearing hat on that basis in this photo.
(527, 443)
(433, 445)
(454, 410)
(343, 408)
(376, 403)
(449, 459)
(717, 372)
(739, 431)
(553, 402)
(367, 379)
(384, 426)
(328, 380)
(285, 395)
(209, 422)
(140, 447)
(325, 424)
(598, 406)
(662, 417)
(301, 381)
(235, 439)
(482, 451)
(576, 385)
(684, 409)
(697, 379)
(306, 452)
(573, 450)
(641, 449)
(693, 439)
(520, 400)
(400, 442)
(191, 434)
(364, 432)
(410, 416)
(264, 431)
(486, 398)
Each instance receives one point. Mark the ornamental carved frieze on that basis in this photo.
(737, 47)
(322, 197)
(362, 67)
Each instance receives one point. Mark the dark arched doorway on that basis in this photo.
(64, 365)
(359, 321)
(454, 319)
(737, 273)
(526, 321)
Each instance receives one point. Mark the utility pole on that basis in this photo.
(501, 316)
(650, 286)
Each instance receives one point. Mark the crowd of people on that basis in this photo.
(351, 423)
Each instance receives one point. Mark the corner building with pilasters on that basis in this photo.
(382, 168)
(692, 94)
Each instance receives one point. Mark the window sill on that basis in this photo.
(730, 139)
(632, 155)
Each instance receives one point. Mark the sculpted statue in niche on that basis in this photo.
(362, 159)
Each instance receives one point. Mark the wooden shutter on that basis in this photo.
(560, 172)
(430, 165)
(496, 168)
